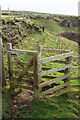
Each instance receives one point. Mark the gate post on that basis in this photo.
(3, 69)
(68, 71)
(37, 68)
(10, 65)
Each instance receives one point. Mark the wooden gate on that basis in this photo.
(56, 85)
(17, 76)
(44, 81)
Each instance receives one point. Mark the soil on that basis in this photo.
(74, 36)
(22, 100)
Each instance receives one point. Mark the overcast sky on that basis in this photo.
(66, 7)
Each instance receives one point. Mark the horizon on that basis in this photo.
(67, 7)
(40, 12)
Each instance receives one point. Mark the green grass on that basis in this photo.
(55, 107)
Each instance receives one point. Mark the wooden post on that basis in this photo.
(0, 63)
(0, 69)
(14, 14)
(10, 65)
(0, 54)
(67, 71)
(9, 13)
(38, 48)
(37, 68)
(3, 70)
(35, 80)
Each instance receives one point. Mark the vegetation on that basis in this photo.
(28, 32)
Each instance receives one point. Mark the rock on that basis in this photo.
(69, 22)
(10, 22)
(14, 41)
(3, 22)
(23, 23)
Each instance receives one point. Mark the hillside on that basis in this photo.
(23, 34)
(17, 31)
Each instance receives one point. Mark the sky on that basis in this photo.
(64, 7)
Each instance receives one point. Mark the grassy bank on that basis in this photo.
(64, 106)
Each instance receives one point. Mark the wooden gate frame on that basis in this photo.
(37, 62)
(66, 69)
(31, 63)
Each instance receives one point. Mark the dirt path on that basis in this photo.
(22, 100)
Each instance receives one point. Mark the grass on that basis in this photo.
(55, 107)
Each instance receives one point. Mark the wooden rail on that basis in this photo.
(63, 67)
(53, 80)
(54, 89)
(56, 57)
(55, 50)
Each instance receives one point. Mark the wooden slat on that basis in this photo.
(17, 58)
(46, 68)
(54, 88)
(59, 61)
(74, 78)
(18, 71)
(55, 50)
(25, 87)
(19, 61)
(58, 93)
(63, 67)
(25, 70)
(53, 81)
(56, 57)
(75, 68)
(24, 51)
(62, 92)
(75, 58)
(75, 85)
(22, 63)
(23, 80)
(75, 92)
